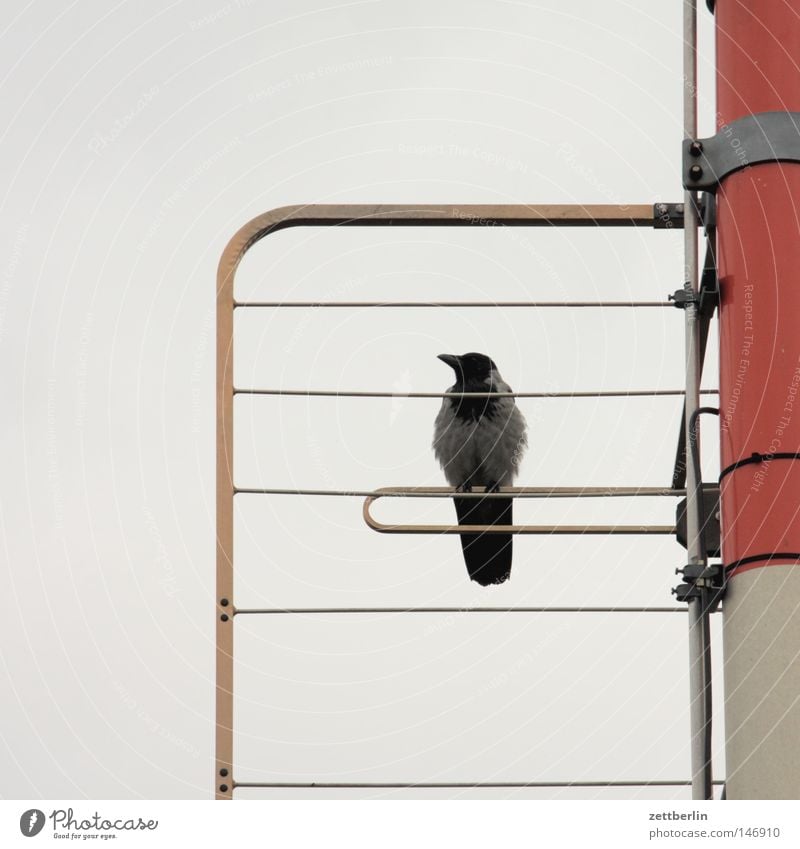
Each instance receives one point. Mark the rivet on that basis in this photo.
(695, 172)
(223, 788)
(224, 602)
(223, 772)
(224, 617)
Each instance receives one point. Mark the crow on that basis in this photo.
(480, 442)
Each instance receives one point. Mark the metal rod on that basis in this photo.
(698, 615)
(444, 215)
(448, 492)
(535, 530)
(223, 763)
(452, 304)
(315, 610)
(705, 599)
(530, 492)
(451, 785)
(347, 393)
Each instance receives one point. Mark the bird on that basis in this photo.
(480, 442)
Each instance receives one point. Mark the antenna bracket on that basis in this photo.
(751, 140)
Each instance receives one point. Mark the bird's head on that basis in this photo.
(470, 368)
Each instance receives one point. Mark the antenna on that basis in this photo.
(752, 226)
(656, 216)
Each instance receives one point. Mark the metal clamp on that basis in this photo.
(754, 139)
(706, 299)
(703, 582)
(682, 298)
(667, 216)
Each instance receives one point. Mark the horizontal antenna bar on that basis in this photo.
(453, 304)
(504, 492)
(535, 530)
(313, 610)
(346, 393)
(549, 530)
(444, 785)
(449, 215)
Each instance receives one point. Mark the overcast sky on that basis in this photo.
(136, 139)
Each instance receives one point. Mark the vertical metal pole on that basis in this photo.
(758, 235)
(223, 768)
(699, 671)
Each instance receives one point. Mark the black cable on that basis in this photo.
(758, 457)
(698, 473)
(755, 558)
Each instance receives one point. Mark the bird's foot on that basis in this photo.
(493, 487)
(464, 487)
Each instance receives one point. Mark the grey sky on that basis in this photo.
(137, 138)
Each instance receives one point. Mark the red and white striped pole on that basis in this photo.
(758, 231)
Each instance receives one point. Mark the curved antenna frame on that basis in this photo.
(345, 215)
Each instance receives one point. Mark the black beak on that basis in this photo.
(452, 360)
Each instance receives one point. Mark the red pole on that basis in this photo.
(758, 227)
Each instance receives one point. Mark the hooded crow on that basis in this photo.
(480, 442)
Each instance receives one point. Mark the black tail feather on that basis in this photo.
(488, 556)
